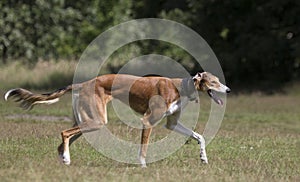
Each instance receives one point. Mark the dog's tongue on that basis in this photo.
(215, 98)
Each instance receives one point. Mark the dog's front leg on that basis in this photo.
(174, 124)
(146, 132)
(201, 141)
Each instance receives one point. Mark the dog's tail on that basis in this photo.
(28, 99)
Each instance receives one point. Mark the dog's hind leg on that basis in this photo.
(88, 118)
(85, 123)
(68, 136)
(174, 124)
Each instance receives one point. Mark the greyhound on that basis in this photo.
(102, 89)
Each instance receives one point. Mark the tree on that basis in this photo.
(255, 41)
(35, 29)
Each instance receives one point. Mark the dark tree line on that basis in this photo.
(256, 42)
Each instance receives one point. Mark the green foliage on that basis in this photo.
(53, 29)
(256, 42)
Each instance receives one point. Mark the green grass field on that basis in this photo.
(259, 140)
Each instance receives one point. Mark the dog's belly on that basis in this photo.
(138, 102)
(139, 105)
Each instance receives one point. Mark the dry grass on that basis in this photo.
(258, 141)
(44, 75)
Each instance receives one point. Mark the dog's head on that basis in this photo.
(206, 82)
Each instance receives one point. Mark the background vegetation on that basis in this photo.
(256, 42)
(258, 140)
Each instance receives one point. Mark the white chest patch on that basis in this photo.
(176, 106)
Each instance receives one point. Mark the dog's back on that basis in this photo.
(137, 91)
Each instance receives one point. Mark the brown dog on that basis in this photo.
(137, 92)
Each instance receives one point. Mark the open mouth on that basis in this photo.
(214, 97)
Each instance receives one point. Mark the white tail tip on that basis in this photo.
(47, 101)
(8, 93)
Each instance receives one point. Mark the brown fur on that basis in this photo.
(137, 92)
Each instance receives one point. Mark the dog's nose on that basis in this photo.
(228, 90)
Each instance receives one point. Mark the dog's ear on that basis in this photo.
(198, 76)
(203, 75)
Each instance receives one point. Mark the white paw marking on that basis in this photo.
(65, 158)
(143, 162)
(204, 159)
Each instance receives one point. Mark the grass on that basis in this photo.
(259, 140)
(45, 75)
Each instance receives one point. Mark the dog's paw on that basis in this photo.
(204, 160)
(65, 159)
(143, 162)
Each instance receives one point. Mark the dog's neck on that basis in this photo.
(188, 88)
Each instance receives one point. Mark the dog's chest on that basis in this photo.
(177, 106)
